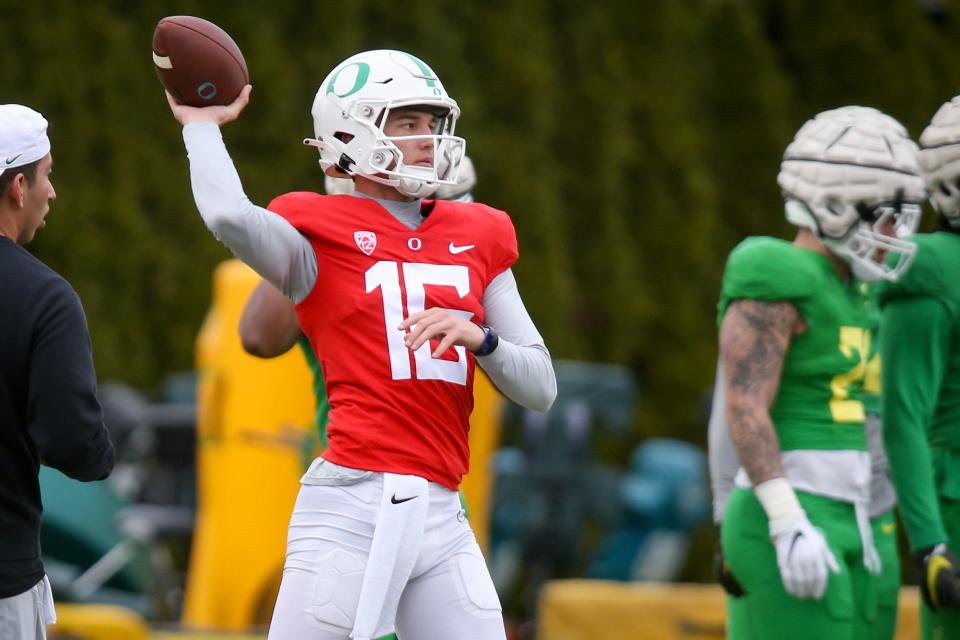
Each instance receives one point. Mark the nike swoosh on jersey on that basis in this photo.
(454, 249)
(394, 499)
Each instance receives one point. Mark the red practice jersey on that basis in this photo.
(393, 409)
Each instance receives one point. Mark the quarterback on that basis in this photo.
(920, 347)
(400, 296)
(794, 344)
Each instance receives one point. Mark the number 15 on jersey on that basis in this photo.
(385, 276)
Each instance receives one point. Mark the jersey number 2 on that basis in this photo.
(385, 275)
(853, 340)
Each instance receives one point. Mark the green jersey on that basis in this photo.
(920, 347)
(319, 390)
(819, 402)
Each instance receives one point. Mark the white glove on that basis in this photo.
(802, 555)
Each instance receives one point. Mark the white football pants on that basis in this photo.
(443, 588)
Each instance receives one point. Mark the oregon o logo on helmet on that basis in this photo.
(363, 73)
(207, 90)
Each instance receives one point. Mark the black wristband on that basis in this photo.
(490, 341)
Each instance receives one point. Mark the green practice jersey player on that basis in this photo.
(724, 466)
(794, 344)
(920, 347)
(883, 499)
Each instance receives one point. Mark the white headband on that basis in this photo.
(23, 136)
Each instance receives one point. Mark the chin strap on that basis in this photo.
(416, 188)
(344, 162)
(410, 187)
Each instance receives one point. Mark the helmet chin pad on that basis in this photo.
(416, 188)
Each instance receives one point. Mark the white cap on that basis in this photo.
(23, 136)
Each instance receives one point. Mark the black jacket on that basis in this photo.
(49, 413)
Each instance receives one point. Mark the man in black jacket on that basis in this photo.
(49, 413)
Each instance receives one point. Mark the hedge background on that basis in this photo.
(633, 143)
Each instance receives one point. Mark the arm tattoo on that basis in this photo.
(753, 345)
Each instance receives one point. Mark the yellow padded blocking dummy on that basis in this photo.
(254, 418)
(98, 622)
(590, 609)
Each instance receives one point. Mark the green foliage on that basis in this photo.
(633, 143)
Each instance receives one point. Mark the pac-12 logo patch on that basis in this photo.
(366, 240)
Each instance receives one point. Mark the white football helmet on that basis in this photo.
(940, 161)
(460, 192)
(849, 175)
(352, 106)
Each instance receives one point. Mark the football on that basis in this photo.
(197, 62)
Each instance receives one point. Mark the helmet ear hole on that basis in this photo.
(835, 206)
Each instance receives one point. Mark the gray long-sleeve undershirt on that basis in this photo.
(520, 366)
(723, 460)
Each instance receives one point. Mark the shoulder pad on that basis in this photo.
(771, 269)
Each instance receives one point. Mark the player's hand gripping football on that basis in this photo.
(218, 115)
(437, 323)
(939, 577)
(803, 556)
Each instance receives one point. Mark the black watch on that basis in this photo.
(490, 341)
